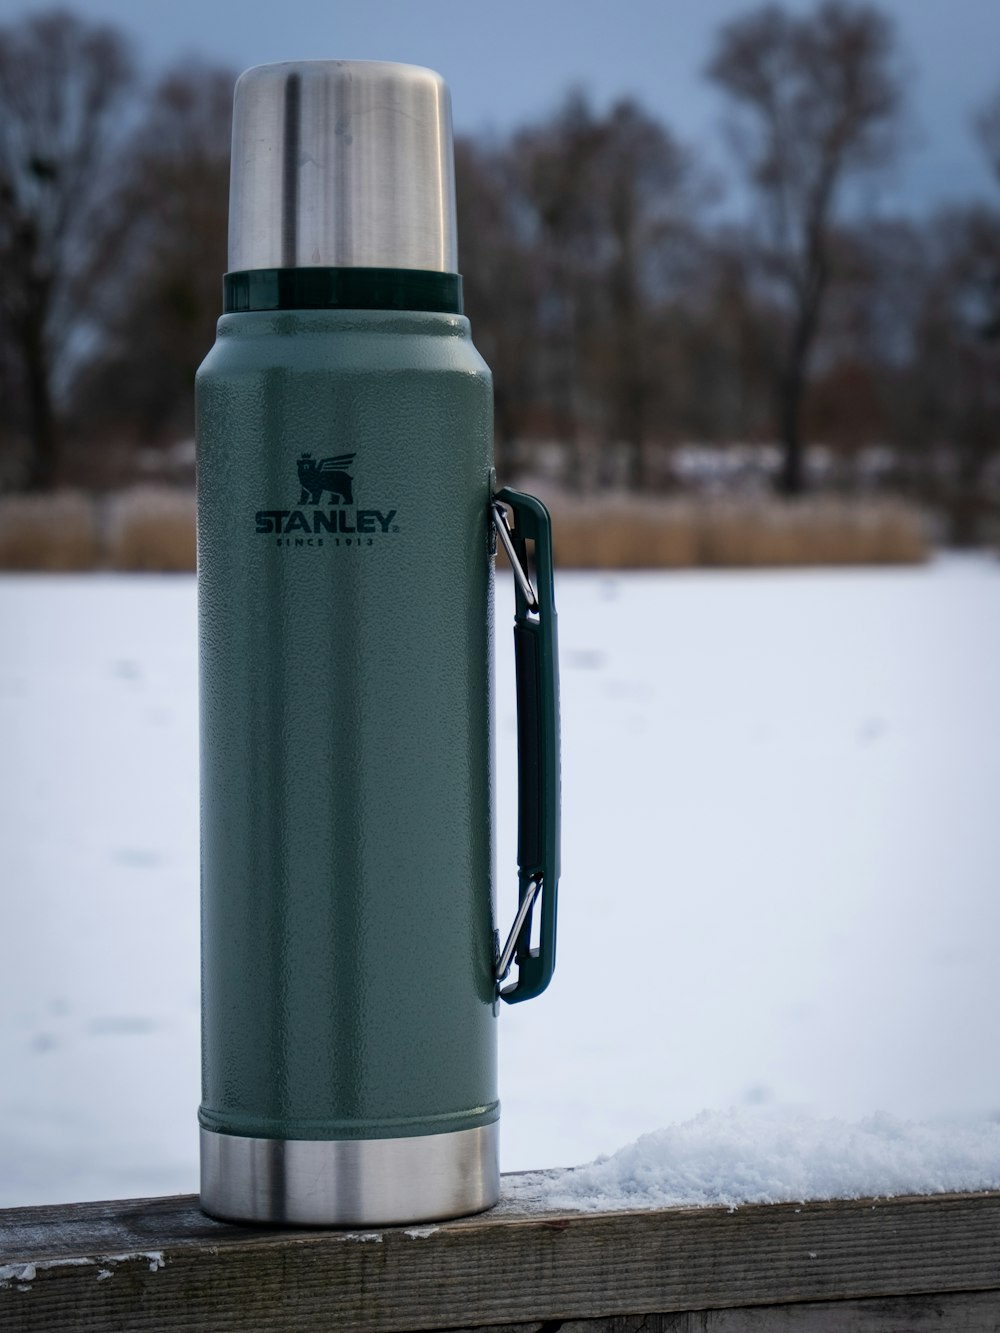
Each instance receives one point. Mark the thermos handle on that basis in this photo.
(537, 677)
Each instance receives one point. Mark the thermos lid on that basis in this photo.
(342, 164)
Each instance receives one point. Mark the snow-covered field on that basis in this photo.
(779, 904)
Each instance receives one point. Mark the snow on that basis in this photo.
(778, 912)
(735, 1157)
(24, 1274)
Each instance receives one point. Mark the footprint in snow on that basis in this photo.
(137, 857)
(121, 1025)
(585, 659)
(871, 729)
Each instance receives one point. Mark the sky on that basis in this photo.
(511, 63)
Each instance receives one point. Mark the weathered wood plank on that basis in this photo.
(161, 1264)
(971, 1312)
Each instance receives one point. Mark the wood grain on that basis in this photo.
(160, 1264)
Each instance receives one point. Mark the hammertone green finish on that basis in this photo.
(346, 704)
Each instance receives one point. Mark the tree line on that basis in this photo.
(629, 302)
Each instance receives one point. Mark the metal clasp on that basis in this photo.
(507, 954)
(520, 573)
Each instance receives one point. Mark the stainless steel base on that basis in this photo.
(350, 1182)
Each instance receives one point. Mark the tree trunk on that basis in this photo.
(791, 479)
(43, 440)
(792, 383)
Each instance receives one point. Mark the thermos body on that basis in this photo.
(346, 704)
(347, 527)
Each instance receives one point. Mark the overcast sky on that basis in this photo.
(510, 61)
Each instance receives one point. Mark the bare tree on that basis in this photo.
(987, 126)
(173, 205)
(647, 202)
(605, 199)
(954, 389)
(817, 103)
(724, 372)
(63, 89)
(500, 273)
(556, 177)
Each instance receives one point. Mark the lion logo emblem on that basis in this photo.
(325, 474)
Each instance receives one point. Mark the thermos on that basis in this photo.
(347, 532)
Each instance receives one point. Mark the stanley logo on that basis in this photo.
(326, 475)
(338, 525)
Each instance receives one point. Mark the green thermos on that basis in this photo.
(347, 529)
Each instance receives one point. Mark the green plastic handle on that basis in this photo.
(536, 665)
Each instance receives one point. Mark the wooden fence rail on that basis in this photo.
(160, 1264)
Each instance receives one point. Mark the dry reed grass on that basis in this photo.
(152, 528)
(49, 532)
(635, 533)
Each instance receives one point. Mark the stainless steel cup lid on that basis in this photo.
(342, 164)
